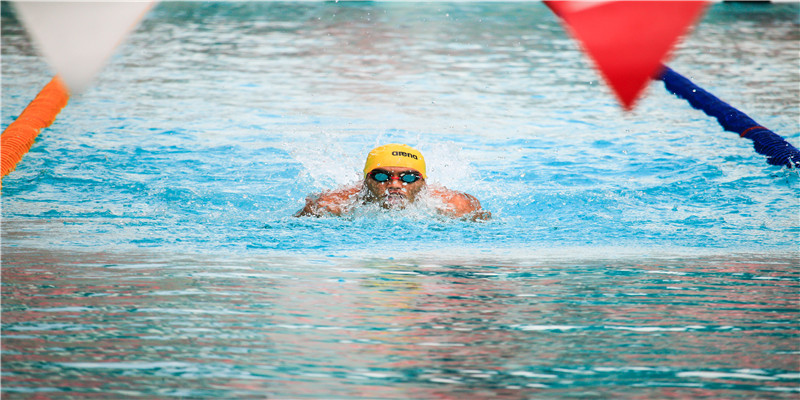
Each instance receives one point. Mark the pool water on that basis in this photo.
(149, 247)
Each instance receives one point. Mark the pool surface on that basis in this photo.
(149, 248)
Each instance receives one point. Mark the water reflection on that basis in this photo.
(100, 323)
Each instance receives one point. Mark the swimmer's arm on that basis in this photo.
(328, 203)
(461, 205)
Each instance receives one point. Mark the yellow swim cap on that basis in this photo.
(395, 155)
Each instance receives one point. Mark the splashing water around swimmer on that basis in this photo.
(394, 176)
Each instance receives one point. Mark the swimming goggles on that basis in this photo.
(405, 177)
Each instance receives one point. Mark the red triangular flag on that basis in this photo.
(628, 40)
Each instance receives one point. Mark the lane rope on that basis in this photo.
(40, 113)
(767, 143)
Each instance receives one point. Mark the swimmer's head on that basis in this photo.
(395, 155)
(394, 175)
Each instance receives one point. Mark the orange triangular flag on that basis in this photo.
(628, 40)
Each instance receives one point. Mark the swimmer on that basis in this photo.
(394, 177)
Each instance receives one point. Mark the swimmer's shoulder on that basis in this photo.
(339, 195)
(454, 197)
(460, 204)
(333, 202)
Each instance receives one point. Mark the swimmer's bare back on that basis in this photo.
(337, 202)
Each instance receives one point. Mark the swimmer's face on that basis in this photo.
(394, 193)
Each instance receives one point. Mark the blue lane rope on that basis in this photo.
(766, 142)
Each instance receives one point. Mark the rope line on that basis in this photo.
(765, 142)
(40, 113)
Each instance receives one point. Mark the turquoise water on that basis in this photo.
(149, 248)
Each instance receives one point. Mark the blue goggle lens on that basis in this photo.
(380, 177)
(409, 178)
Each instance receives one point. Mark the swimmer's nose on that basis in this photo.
(395, 183)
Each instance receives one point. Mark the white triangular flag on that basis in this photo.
(77, 38)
